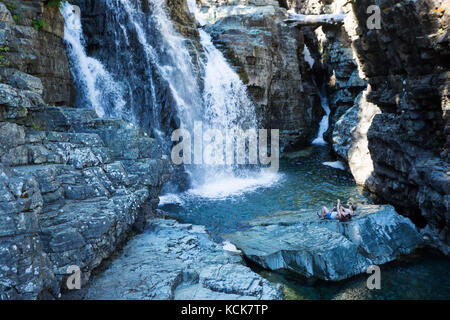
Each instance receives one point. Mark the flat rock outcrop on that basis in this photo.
(178, 261)
(330, 250)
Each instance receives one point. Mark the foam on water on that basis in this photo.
(323, 127)
(228, 246)
(226, 186)
(170, 198)
(336, 164)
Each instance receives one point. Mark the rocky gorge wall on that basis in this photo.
(406, 63)
(394, 135)
(31, 42)
(73, 186)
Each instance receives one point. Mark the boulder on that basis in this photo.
(330, 250)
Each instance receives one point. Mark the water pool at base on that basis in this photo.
(304, 182)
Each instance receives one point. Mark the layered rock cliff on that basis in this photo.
(406, 63)
(395, 137)
(31, 41)
(72, 186)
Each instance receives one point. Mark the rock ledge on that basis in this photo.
(324, 249)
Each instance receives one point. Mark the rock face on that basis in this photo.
(268, 56)
(178, 261)
(31, 41)
(350, 138)
(395, 138)
(331, 47)
(72, 188)
(406, 65)
(324, 249)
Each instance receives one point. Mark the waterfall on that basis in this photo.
(323, 127)
(143, 72)
(324, 123)
(167, 54)
(96, 87)
(154, 83)
(226, 106)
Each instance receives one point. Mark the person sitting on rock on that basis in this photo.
(345, 214)
(339, 212)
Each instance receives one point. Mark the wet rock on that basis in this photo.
(177, 261)
(330, 250)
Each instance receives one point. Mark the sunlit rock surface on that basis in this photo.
(324, 249)
(178, 261)
(350, 137)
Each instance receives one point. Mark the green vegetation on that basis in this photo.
(10, 6)
(17, 18)
(4, 62)
(51, 3)
(38, 24)
(35, 126)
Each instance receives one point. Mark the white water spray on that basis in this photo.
(323, 127)
(226, 106)
(95, 85)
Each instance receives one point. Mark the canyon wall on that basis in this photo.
(73, 187)
(31, 38)
(395, 135)
(406, 64)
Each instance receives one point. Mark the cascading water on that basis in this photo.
(152, 68)
(155, 74)
(323, 127)
(149, 71)
(164, 50)
(226, 106)
(324, 122)
(96, 87)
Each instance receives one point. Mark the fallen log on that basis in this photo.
(317, 19)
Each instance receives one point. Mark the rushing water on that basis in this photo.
(142, 61)
(323, 127)
(95, 85)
